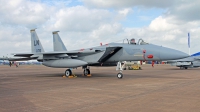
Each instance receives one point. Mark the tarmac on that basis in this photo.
(36, 88)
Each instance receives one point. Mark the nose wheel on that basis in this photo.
(120, 67)
(119, 75)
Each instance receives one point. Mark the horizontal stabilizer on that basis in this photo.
(22, 54)
(18, 59)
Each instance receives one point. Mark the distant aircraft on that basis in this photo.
(109, 53)
(190, 62)
(1, 62)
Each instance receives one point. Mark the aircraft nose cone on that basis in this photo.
(171, 54)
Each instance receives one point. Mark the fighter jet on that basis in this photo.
(190, 62)
(109, 53)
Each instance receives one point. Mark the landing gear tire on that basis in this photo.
(86, 72)
(119, 75)
(182, 68)
(68, 72)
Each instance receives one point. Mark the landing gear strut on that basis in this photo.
(120, 68)
(68, 73)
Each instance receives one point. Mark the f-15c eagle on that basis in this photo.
(100, 55)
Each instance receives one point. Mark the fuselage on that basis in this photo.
(115, 52)
(130, 52)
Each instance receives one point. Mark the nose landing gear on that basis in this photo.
(120, 68)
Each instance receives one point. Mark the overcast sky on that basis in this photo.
(86, 23)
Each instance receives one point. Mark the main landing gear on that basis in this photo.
(68, 73)
(120, 68)
(86, 71)
(183, 68)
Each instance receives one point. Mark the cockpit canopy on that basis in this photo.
(140, 42)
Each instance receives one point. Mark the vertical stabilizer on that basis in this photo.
(58, 44)
(36, 45)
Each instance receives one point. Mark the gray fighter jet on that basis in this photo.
(109, 53)
(190, 62)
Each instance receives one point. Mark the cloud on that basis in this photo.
(125, 11)
(106, 31)
(161, 24)
(80, 18)
(181, 11)
(81, 26)
(185, 11)
(128, 3)
(22, 12)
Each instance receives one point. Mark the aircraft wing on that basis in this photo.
(23, 54)
(18, 59)
(70, 52)
(75, 52)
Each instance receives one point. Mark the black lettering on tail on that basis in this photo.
(36, 42)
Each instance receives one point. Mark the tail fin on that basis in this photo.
(58, 44)
(36, 46)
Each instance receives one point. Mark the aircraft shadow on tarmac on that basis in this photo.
(49, 75)
(78, 75)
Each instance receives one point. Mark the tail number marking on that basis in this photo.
(36, 42)
(38, 50)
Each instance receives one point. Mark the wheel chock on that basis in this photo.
(71, 76)
(64, 76)
(74, 75)
(89, 75)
